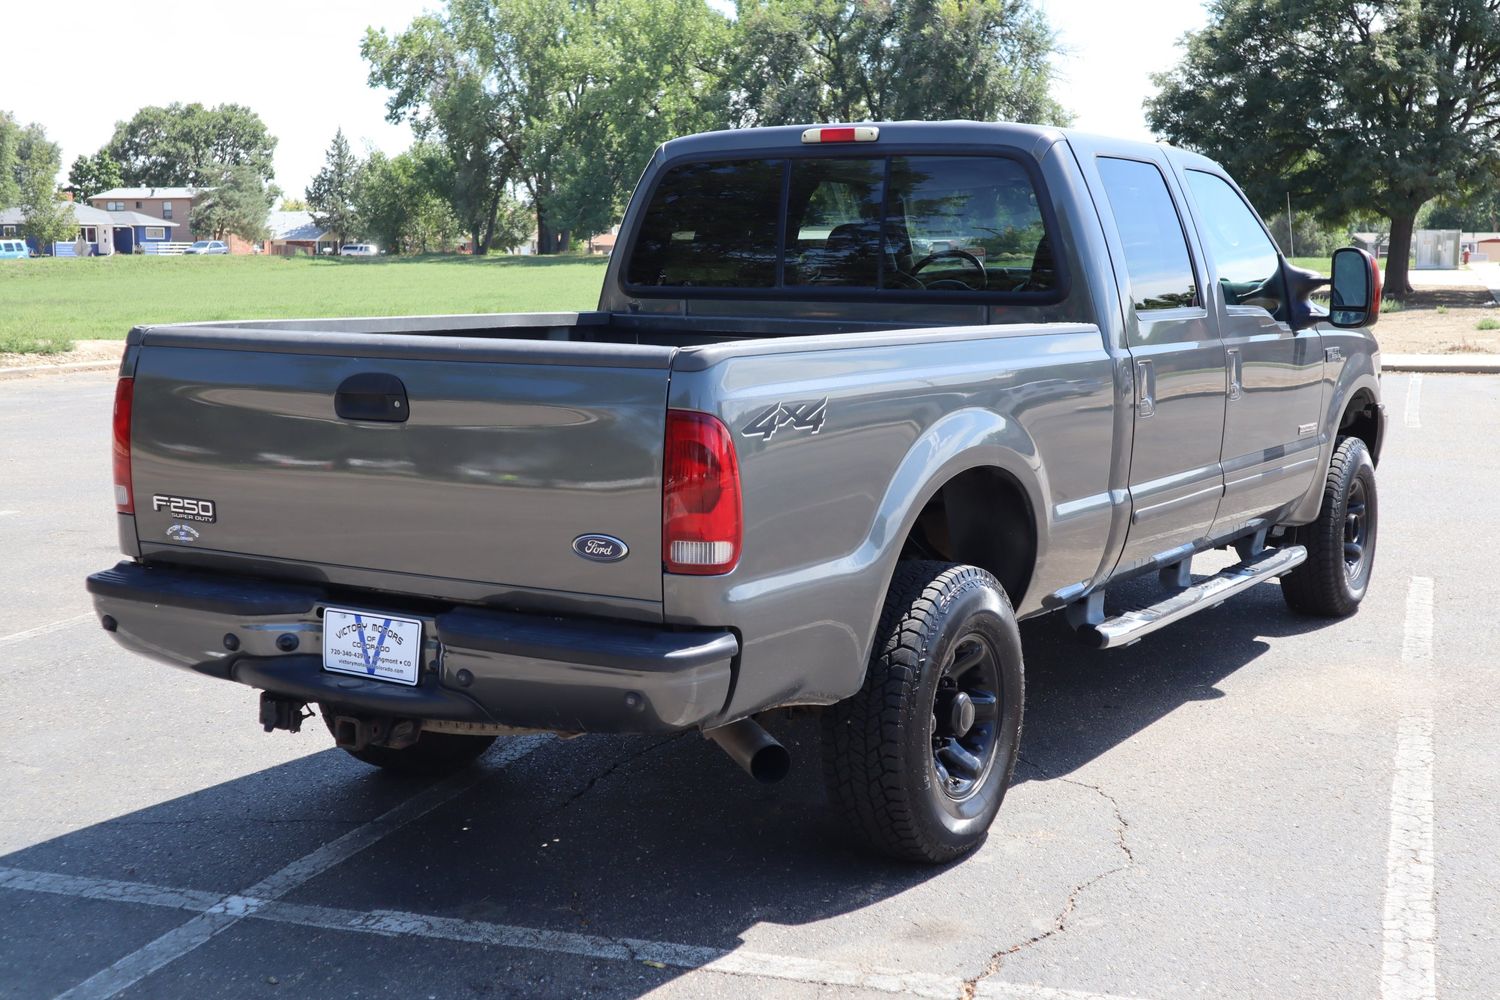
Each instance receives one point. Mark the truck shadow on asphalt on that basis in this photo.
(651, 839)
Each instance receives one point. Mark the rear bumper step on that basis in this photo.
(478, 665)
(1126, 628)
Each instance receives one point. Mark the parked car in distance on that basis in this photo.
(358, 250)
(208, 246)
(14, 249)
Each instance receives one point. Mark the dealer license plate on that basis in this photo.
(372, 645)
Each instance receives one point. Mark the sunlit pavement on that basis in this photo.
(1249, 804)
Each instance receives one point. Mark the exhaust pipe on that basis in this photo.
(753, 749)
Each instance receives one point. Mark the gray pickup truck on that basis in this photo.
(854, 401)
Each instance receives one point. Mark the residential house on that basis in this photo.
(105, 232)
(295, 233)
(174, 204)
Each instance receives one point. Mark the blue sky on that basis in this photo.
(297, 63)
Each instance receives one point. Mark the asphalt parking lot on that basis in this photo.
(1248, 804)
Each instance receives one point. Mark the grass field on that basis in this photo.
(47, 303)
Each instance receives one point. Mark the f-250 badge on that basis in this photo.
(797, 416)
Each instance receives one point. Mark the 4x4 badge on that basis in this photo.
(797, 416)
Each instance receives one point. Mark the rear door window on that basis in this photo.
(944, 225)
(1156, 252)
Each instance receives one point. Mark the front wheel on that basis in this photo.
(920, 757)
(1341, 542)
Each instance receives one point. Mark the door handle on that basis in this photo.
(1236, 372)
(1145, 376)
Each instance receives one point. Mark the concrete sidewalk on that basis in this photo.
(1466, 364)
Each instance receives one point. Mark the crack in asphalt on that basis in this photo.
(1060, 922)
(575, 905)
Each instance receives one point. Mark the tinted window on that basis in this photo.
(711, 225)
(835, 238)
(945, 224)
(1156, 253)
(1244, 256)
(967, 223)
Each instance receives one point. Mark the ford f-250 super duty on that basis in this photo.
(855, 399)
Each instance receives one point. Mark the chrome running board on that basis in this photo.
(1131, 626)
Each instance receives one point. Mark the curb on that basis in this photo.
(71, 366)
(1455, 364)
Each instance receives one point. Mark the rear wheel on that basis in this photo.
(920, 757)
(433, 753)
(1341, 542)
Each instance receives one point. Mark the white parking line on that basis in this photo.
(230, 910)
(8, 513)
(216, 910)
(1413, 415)
(32, 633)
(1409, 966)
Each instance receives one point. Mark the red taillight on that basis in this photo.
(700, 510)
(1379, 290)
(124, 399)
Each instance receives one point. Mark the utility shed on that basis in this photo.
(1436, 249)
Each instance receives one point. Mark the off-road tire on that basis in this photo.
(433, 755)
(879, 745)
(1326, 585)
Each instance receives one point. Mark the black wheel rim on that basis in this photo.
(966, 717)
(1356, 530)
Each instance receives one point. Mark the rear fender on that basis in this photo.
(963, 440)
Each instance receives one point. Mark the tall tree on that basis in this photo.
(861, 60)
(189, 144)
(237, 201)
(1374, 105)
(563, 99)
(45, 218)
(10, 134)
(402, 206)
(90, 175)
(330, 196)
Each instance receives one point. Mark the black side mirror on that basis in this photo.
(1356, 288)
(1300, 285)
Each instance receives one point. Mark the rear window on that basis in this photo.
(941, 224)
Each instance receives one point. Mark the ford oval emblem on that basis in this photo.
(600, 548)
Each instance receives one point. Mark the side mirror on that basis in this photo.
(1356, 289)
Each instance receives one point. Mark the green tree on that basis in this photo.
(563, 100)
(872, 60)
(90, 175)
(237, 201)
(10, 134)
(293, 205)
(330, 196)
(1373, 106)
(189, 144)
(513, 223)
(45, 218)
(400, 201)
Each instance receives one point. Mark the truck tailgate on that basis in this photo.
(506, 453)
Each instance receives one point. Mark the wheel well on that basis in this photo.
(981, 517)
(1362, 420)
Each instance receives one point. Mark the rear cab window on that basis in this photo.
(824, 226)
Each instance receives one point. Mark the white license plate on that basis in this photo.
(372, 645)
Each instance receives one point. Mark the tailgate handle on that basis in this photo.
(372, 396)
